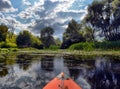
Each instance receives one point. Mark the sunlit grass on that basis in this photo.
(60, 52)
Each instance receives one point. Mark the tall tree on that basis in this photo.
(3, 32)
(24, 39)
(58, 41)
(103, 18)
(47, 37)
(71, 34)
(88, 34)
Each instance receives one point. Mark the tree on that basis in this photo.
(36, 42)
(24, 39)
(3, 32)
(104, 18)
(47, 37)
(57, 41)
(71, 35)
(88, 34)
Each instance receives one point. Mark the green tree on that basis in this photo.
(24, 39)
(3, 32)
(36, 42)
(71, 35)
(58, 42)
(105, 18)
(47, 37)
(88, 34)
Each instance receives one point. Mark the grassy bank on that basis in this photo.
(72, 52)
(60, 52)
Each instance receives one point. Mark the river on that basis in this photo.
(25, 71)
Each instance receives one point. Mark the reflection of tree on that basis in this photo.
(3, 72)
(73, 66)
(11, 75)
(77, 65)
(24, 61)
(104, 77)
(74, 73)
(7, 59)
(47, 63)
(24, 66)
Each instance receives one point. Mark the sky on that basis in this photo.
(33, 15)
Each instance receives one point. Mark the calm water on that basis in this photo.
(34, 71)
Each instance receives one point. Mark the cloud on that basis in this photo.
(6, 6)
(26, 2)
(37, 14)
(56, 14)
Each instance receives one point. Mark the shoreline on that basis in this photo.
(73, 52)
(62, 52)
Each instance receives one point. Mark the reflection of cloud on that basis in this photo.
(6, 6)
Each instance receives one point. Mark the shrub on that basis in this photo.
(10, 45)
(7, 45)
(82, 46)
(108, 45)
(2, 44)
(54, 47)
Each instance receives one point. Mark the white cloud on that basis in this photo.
(6, 6)
(41, 13)
(26, 2)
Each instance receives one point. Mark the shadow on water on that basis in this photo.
(27, 71)
(105, 75)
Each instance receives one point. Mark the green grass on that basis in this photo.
(59, 52)
(74, 52)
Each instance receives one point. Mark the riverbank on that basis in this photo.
(61, 52)
(74, 52)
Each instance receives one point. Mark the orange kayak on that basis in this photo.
(62, 81)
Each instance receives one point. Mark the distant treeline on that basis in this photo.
(100, 29)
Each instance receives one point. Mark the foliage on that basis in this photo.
(3, 32)
(7, 45)
(58, 42)
(82, 46)
(2, 44)
(24, 39)
(100, 18)
(88, 34)
(36, 42)
(54, 47)
(10, 45)
(11, 39)
(47, 37)
(115, 45)
(88, 46)
(71, 35)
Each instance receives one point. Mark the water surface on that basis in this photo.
(35, 71)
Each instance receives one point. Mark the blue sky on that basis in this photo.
(34, 15)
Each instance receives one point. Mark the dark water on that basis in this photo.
(34, 71)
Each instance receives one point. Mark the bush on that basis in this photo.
(108, 45)
(82, 46)
(36, 43)
(88, 46)
(24, 39)
(77, 46)
(54, 47)
(7, 45)
(10, 45)
(2, 44)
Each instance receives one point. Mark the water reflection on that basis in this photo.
(47, 63)
(3, 72)
(24, 72)
(104, 77)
